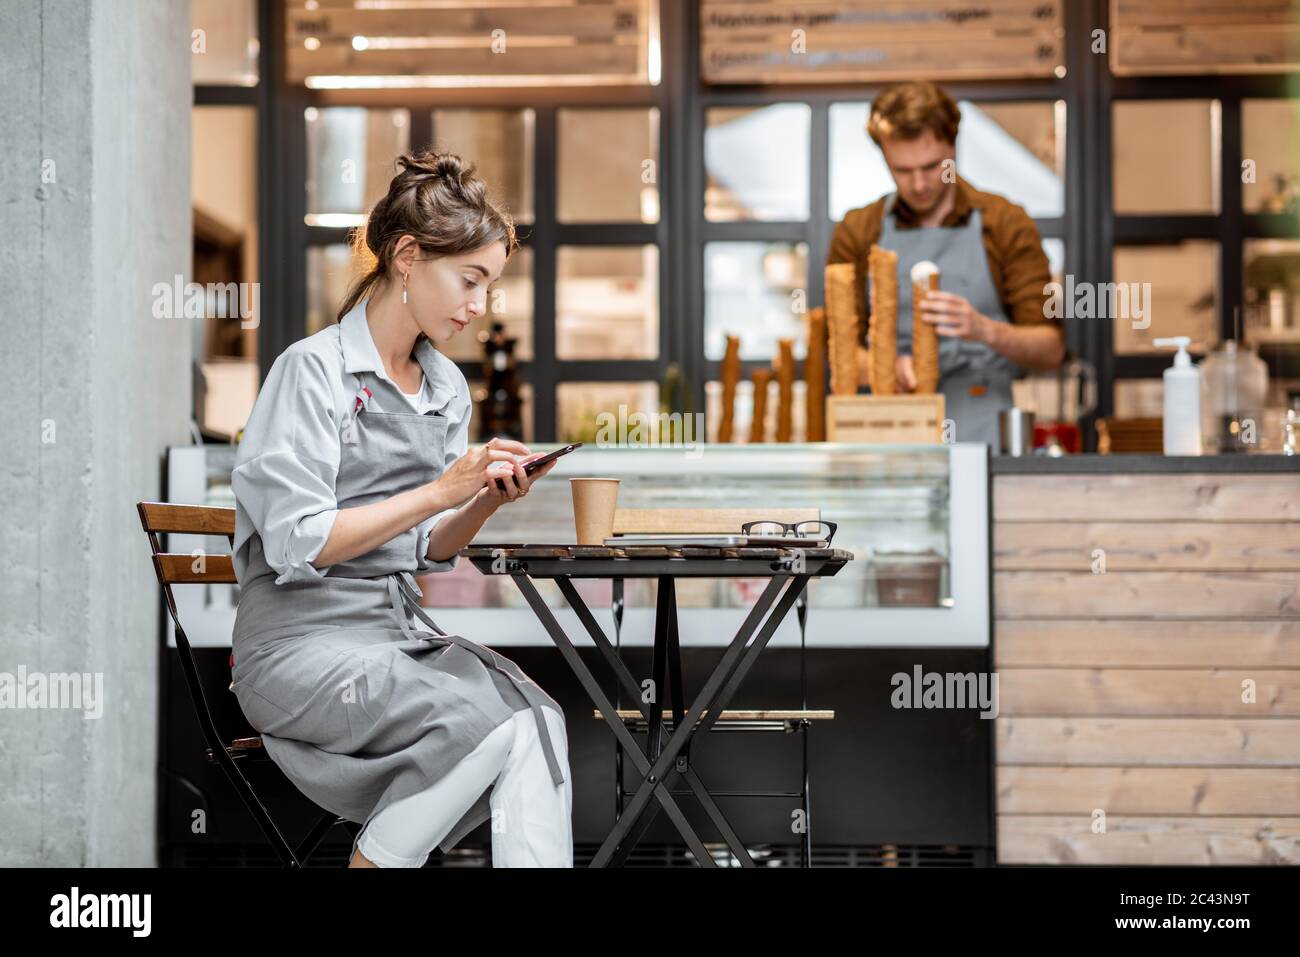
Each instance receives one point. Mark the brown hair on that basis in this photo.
(439, 201)
(906, 110)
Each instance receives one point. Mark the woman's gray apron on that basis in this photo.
(974, 379)
(355, 704)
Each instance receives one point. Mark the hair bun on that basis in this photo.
(449, 165)
(422, 167)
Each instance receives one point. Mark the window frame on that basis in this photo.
(1088, 227)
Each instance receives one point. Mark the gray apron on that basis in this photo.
(355, 704)
(975, 380)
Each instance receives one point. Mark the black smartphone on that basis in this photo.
(535, 464)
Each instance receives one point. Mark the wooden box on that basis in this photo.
(908, 419)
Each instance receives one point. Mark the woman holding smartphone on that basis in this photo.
(353, 476)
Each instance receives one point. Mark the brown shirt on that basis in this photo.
(1017, 264)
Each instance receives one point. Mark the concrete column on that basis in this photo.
(95, 103)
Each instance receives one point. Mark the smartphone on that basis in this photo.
(535, 464)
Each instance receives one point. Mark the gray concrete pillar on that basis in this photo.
(95, 103)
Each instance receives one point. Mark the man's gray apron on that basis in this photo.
(974, 379)
(355, 704)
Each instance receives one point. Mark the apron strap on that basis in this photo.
(402, 594)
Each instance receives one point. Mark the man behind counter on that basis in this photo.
(990, 311)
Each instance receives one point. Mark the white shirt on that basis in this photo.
(287, 462)
(420, 398)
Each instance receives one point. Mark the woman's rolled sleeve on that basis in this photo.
(423, 562)
(287, 465)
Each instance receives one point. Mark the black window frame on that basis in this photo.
(1088, 227)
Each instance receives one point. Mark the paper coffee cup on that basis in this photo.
(594, 500)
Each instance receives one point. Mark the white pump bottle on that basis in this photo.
(1182, 424)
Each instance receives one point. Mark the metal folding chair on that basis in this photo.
(162, 518)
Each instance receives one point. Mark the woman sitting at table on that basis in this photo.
(352, 476)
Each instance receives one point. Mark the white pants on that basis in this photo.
(531, 822)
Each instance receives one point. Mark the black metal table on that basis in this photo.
(788, 571)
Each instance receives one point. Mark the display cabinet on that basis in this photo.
(915, 517)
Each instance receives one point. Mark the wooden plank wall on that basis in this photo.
(1130, 613)
(1154, 37)
(600, 40)
(755, 41)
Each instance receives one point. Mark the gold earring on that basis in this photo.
(403, 288)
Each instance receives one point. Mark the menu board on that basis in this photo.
(570, 42)
(1204, 36)
(805, 41)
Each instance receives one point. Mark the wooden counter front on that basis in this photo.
(1147, 637)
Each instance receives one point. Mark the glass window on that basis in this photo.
(858, 174)
(330, 271)
(1165, 156)
(223, 42)
(1139, 398)
(1271, 271)
(1014, 149)
(223, 190)
(607, 302)
(756, 161)
(1163, 290)
(478, 392)
(1055, 251)
(500, 144)
(510, 301)
(608, 166)
(351, 154)
(755, 290)
(579, 404)
(1270, 144)
(223, 184)
(743, 410)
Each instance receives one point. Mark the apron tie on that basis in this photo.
(404, 593)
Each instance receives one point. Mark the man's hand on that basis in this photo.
(951, 315)
(904, 374)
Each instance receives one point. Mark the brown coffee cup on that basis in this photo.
(594, 501)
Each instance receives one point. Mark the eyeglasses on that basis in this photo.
(813, 531)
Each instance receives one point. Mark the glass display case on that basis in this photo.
(915, 517)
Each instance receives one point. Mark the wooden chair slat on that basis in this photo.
(178, 569)
(166, 518)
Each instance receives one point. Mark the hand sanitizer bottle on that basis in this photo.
(1182, 424)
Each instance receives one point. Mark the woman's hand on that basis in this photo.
(467, 474)
(516, 482)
